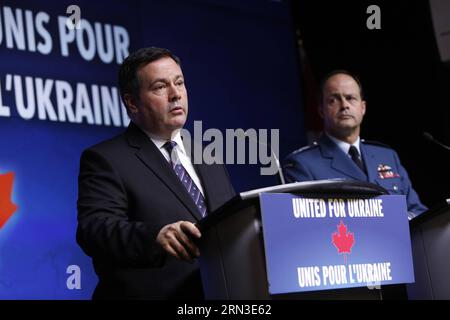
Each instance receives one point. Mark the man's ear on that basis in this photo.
(131, 103)
(363, 106)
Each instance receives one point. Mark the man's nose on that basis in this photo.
(344, 103)
(174, 93)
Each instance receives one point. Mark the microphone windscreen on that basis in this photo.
(428, 136)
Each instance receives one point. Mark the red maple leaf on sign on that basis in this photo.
(343, 240)
(7, 208)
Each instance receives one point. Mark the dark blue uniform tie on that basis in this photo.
(185, 178)
(353, 152)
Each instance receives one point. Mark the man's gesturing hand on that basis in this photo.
(176, 239)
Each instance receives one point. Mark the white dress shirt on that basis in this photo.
(181, 153)
(344, 146)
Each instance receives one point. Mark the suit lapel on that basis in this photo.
(339, 160)
(204, 174)
(206, 181)
(149, 154)
(370, 161)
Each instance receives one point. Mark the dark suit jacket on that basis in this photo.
(327, 161)
(127, 193)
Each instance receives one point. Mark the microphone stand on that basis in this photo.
(429, 137)
(277, 162)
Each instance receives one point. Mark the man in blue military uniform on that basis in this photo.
(341, 153)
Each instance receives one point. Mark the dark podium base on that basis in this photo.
(430, 240)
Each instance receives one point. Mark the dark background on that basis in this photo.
(406, 85)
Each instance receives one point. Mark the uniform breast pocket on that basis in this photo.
(392, 185)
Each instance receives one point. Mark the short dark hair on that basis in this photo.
(335, 72)
(128, 79)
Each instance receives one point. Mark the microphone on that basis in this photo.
(277, 162)
(429, 137)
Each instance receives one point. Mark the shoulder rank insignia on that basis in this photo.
(375, 143)
(385, 172)
(314, 144)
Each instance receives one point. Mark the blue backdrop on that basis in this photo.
(241, 71)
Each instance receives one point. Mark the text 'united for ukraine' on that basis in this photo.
(339, 208)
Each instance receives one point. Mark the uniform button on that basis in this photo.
(395, 188)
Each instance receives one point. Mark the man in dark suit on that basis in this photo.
(341, 153)
(139, 193)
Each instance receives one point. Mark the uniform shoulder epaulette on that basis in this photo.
(376, 143)
(308, 147)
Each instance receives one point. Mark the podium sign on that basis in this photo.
(326, 243)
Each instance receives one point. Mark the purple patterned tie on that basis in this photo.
(185, 178)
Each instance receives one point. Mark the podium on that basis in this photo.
(232, 259)
(430, 239)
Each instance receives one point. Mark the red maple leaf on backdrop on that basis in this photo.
(343, 240)
(7, 208)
